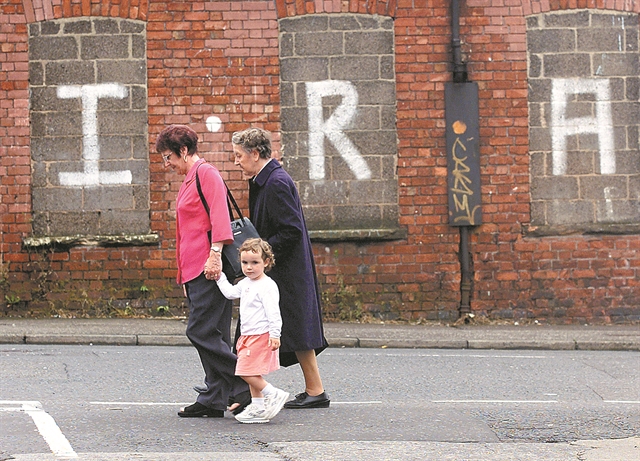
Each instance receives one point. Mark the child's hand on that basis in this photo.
(274, 343)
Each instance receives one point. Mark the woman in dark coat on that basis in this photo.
(276, 212)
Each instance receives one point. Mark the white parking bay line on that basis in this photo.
(627, 402)
(49, 430)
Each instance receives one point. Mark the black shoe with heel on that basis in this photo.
(305, 400)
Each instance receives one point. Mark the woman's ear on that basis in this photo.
(184, 151)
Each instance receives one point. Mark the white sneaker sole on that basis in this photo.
(253, 421)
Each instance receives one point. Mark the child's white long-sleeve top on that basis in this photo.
(259, 304)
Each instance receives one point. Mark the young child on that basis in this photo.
(260, 325)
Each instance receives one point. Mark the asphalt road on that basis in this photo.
(120, 403)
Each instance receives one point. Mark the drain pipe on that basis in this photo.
(460, 93)
(465, 273)
(459, 68)
(460, 75)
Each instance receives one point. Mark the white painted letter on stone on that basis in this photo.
(333, 127)
(92, 176)
(601, 124)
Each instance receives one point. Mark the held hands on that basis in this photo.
(274, 343)
(213, 266)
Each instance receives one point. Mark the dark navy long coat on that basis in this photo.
(276, 212)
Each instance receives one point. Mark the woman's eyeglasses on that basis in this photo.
(166, 158)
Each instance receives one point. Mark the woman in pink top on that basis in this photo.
(201, 232)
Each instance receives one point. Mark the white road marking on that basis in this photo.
(370, 402)
(49, 430)
(141, 403)
(494, 401)
(478, 356)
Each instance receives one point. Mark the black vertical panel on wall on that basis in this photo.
(463, 146)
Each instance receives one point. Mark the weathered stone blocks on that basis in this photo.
(89, 127)
(339, 119)
(584, 113)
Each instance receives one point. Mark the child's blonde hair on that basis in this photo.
(261, 247)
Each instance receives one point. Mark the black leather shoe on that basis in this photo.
(305, 400)
(198, 410)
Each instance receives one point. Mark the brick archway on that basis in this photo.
(289, 8)
(45, 10)
(543, 6)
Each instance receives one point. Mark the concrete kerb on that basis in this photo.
(412, 343)
(163, 340)
(171, 332)
(103, 340)
(175, 340)
(518, 344)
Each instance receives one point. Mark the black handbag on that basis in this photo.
(242, 229)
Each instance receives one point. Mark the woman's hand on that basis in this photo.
(213, 266)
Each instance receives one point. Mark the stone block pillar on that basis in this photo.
(88, 112)
(339, 120)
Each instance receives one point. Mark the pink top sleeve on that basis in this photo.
(193, 224)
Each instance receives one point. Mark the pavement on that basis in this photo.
(582, 450)
(171, 332)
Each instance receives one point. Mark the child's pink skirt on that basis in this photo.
(255, 358)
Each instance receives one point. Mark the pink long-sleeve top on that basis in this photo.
(193, 224)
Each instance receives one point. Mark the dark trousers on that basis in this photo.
(209, 330)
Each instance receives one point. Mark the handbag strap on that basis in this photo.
(199, 186)
(230, 199)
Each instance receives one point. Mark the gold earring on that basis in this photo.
(185, 159)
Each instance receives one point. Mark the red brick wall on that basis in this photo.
(221, 58)
(15, 161)
(573, 278)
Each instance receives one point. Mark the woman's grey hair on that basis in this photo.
(253, 138)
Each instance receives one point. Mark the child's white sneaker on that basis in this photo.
(274, 402)
(252, 414)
